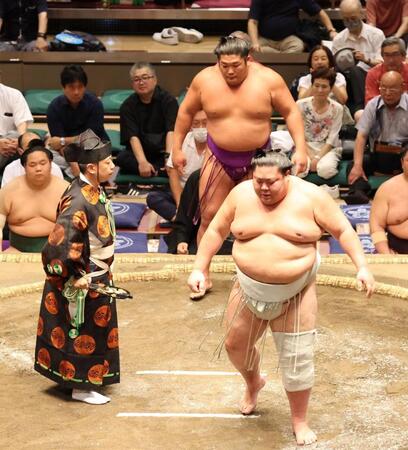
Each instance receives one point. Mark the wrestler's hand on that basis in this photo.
(182, 248)
(300, 162)
(196, 281)
(365, 280)
(81, 283)
(179, 161)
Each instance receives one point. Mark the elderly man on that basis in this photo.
(15, 116)
(238, 97)
(389, 213)
(23, 25)
(16, 169)
(366, 41)
(393, 51)
(277, 220)
(74, 112)
(29, 203)
(147, 120)
(273, 24)
(384, 124)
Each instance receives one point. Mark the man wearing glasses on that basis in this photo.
(393, 51)
(147, 121)
(385, 124)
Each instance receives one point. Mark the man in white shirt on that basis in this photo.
(15, 116)
(16, 169)
(165, 203)
(366, 41)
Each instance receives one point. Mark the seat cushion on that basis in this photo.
(365, 240)
(136, 179)
(39, 99)
(340, 178)
(376, 181)
(128, 215)
(113, 99)
(114, 137)
(357, 213)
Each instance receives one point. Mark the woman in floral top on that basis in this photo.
(322, 119)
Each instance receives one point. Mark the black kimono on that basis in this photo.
(78, 346)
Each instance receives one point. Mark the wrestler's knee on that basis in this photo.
(296, 352)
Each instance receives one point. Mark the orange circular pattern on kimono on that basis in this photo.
(44, 358)
(40, 326)
(65, 203)
(113, 338)
(84, 344)
(66, 369)
(57, 235)
(50, 303)
(93, 294)
(105, 367)
(75, 252)
(95, 374)
(80, 221)
(102, 316)
(58, 337)
(103, 227)
(91, 194)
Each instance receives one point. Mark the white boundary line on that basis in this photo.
(188, 415)
(190, 373)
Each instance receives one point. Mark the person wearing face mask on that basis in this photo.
(166, 202)
(366, 41)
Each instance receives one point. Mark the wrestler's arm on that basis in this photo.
(188, 108)
(3, 214)
(283, 102)
(330, 217)
(378, 221)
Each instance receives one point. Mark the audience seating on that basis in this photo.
(113, 98)
(39, 99)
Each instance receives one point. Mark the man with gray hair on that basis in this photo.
(393, 51)
(147, 120)
(277, 220)
(366, 41)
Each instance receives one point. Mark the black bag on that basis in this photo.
(89, 43)
(311, 33)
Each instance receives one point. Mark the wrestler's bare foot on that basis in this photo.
(303, 434)
(248, 403)
(199, 295)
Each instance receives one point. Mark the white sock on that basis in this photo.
(91, 397)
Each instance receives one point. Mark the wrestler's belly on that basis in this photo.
(239, 135)
(34, 227)
(271, 259)
(400, 230)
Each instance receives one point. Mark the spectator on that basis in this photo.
(29, 203)
(273, 24)
(73, 112)
(389, 213)
(165, 203)
(23, 25)
(393, 52)
(383, 123)
(16, 169)
(366, 41)
(147, 121)
(390, 16)
(322, 118)
(15, 116)
(321, 57)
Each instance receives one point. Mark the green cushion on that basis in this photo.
(136, 179)
(377, 180)
(340, 178)
(114, 137)
(39, 99)
(113, 99)
(38, 131)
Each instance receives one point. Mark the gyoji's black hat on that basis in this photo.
(89, 149)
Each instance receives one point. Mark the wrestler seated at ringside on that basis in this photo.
(29, 202)
(389, 213)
